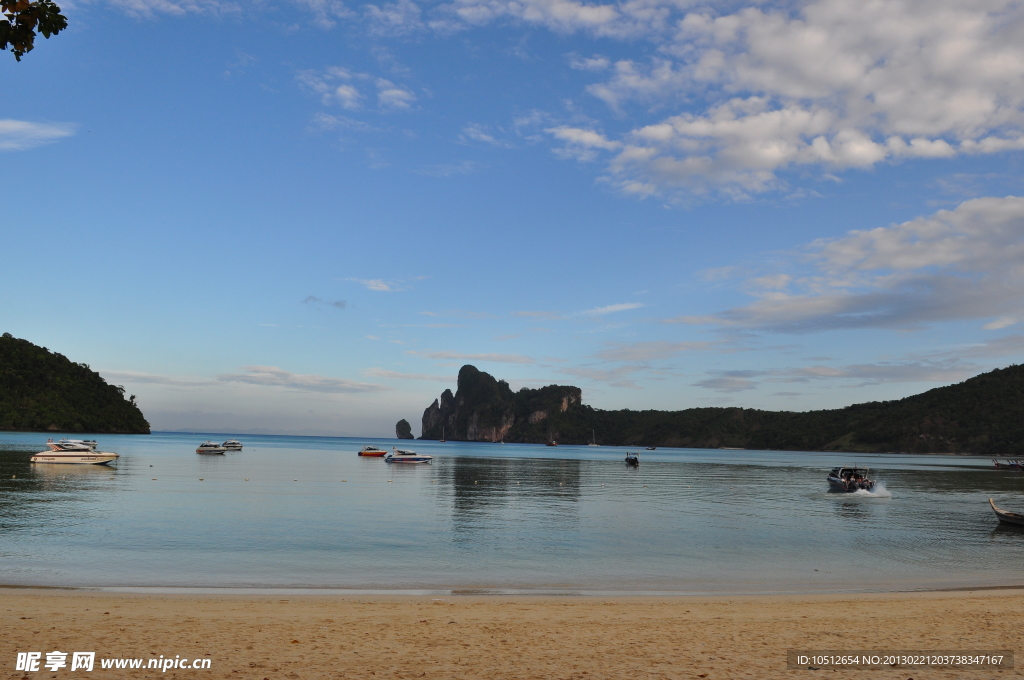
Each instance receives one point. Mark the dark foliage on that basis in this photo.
(43, 390)
(981, 415)
(24, 19)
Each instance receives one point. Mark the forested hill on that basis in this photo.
(43, 390)
(984, 415)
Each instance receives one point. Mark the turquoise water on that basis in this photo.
(307, 512)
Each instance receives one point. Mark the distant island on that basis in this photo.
(982, 415)
(41, 390)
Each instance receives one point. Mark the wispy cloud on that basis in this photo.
(612, 309)
(379, 285)
(649, 351)
(726, 384)
(459, 356)
(954, 265)
(450, 169)
(615, 377)
(336, 304)
(271, 376)
(551, 316)
(151, 379)
(396, 375)
(19, 135)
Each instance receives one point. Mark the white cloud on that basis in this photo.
(611, 309)
(391, 97)
(954, 265)
(272, 376)
(335, 85)
(834, 84)
(18, 135)
(595, 63)
(399, 18)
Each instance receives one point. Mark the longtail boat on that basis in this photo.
(1007, 517)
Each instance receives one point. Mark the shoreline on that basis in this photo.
(498, 591)
(506, 637)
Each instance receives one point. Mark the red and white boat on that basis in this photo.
(371, 450)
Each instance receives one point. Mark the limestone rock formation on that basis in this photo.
(485, 409)
(403, 430)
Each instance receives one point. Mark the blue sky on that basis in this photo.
(304, 217)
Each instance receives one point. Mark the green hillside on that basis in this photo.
(983, 415)
(43, 390)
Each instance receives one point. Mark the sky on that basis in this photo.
(304, 216)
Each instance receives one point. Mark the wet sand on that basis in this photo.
(584, 638)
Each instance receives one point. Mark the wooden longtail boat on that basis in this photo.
(1007, 517)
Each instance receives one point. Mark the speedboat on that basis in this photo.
(406, 456)
(72, 445)
(210, 447)
(75, 457)
(232, 445)
(633, 459)
(850, 479)
(370, 450)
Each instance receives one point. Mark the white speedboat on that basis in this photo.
(406, 456)
(232, 445)
(72, 445)
(210, 447)
(87, 457)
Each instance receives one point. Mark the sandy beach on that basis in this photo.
(260, 636)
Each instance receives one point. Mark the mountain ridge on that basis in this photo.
(981, 415)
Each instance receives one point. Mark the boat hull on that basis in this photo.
(1007, 517)
(840, 486)
(74, 458)
(407, 459)
(215, 451)
(373, 454)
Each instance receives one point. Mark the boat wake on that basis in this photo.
(879, 492)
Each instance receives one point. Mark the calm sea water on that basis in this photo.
(307, 512)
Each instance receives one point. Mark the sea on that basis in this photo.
(296, 514)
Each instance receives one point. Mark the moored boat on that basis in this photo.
(850, 479)
(373, 451)
(633, 459)
(210, 447)
(1008, 465)
(1005, 516)
(87, 457)
(232, 445)
(406, 456)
